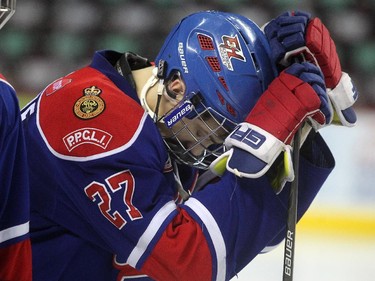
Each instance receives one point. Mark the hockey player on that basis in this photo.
(15, 248)
(121, 156)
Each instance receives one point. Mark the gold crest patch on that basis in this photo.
(90, 105)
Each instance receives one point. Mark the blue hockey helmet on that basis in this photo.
(224, 60)
(7, 9)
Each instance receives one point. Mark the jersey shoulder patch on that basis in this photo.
(85, 115)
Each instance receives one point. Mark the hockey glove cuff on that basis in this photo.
(251, 152)
(343, 97)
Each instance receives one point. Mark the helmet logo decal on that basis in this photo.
(230, 48)
(178, 113)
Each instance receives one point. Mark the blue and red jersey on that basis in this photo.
(15, 248)
(104, 202)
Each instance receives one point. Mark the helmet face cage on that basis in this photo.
(208, 140)
(7, 9)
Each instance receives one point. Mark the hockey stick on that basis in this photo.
(292, 214)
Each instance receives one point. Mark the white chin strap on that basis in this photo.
(160, 91)
(149, 84)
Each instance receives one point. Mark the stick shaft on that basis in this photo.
(292, 214)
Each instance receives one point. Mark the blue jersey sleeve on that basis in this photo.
(14, 199)
(15, 249)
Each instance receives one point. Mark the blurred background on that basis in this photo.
(336, 239)
(48, 38)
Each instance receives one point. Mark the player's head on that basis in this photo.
(223, 62)
(7, 9)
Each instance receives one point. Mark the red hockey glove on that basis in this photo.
(293, 33)
(320, 43)
(296, 94)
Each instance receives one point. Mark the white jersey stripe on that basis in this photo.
(215, 234)
(150, 232)
(14, 232)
